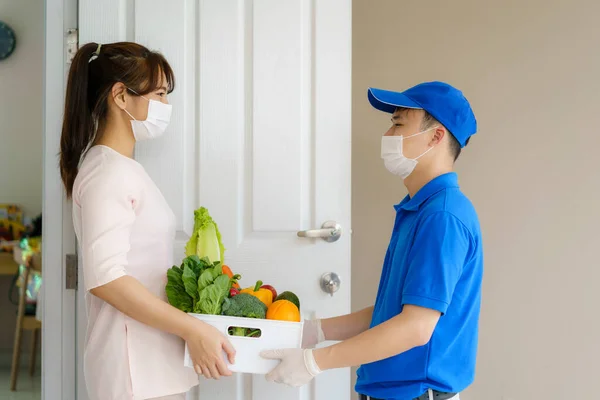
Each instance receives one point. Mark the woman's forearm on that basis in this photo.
(132, 298)
(347, 326)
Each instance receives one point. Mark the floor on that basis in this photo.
(27, 388)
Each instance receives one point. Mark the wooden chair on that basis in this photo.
(25, 323)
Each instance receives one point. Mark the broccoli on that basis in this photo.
(244, 305)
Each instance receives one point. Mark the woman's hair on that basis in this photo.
(94, 71)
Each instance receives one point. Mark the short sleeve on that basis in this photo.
(435, 261)
(107, 216)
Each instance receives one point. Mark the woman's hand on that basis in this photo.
(206, 345)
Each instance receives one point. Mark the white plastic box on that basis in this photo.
(274, 335)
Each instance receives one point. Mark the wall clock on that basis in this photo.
(7, 41)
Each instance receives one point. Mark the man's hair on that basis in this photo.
(429, 121)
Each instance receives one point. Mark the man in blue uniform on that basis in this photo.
(419, 341)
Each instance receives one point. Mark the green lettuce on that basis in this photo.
(190, 282)
(208, 276)
(213, 296)
(176, 292)
(196, 264)
(198, 286)
(206, 239)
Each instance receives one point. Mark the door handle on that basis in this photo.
(330, 232)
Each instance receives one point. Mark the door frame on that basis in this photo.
(59, 375)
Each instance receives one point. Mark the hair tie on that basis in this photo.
(95, 54)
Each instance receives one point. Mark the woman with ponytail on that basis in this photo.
(134, 347)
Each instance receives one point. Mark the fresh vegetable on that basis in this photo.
(290, 297)
(233, 292)
(253, 333)
(283, 310)
(198, 286)
(264, 295)
(272, 289)
(247, 306)
(227, 271)
(176, 293)
(238, 331)
(181, 288)
(213, 296)
(190, 281)
(206, 238)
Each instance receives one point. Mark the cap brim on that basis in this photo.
(387, 101)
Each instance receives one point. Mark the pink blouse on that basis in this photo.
(124, 226)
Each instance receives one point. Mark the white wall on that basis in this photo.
(531, 70)
(21, 107)
(21, 92)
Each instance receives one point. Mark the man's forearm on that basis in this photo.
(133, 299)
(347, 326)
(405, 331)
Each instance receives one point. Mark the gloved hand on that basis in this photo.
(312, 334)
(297, 366)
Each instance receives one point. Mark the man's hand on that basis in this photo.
(297, 366)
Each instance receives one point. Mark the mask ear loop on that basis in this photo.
(143, 97)
(426, 151)
(420, 133)
(128, 113)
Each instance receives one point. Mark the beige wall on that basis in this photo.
(531, 70)
(21, 102)
(21, 99)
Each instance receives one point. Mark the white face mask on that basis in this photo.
(394, 160)
(159, 115)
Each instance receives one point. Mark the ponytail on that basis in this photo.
(78, 128)
(94, 71)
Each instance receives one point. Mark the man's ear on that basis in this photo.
(438, 135)
(119, 95)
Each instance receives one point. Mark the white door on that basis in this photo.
(260, 136)
(59, 372)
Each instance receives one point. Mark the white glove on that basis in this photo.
(297, 366)
(312, 334)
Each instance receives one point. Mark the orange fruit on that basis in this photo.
(283, 310)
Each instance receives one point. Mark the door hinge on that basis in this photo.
(71, 271)
(72, 44)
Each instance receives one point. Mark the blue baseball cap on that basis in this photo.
(445, 103)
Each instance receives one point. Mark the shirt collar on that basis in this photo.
(442, 182)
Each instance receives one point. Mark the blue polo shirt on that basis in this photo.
(434, 260)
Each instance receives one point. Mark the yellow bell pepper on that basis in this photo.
(264, 295)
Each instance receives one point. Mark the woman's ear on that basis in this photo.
(119, 95)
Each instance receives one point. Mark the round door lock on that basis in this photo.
(330, 283)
